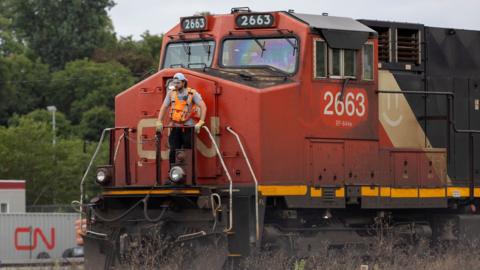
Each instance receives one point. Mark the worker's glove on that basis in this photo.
(159, 126)
(199, 125)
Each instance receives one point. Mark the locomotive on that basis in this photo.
(319, 128)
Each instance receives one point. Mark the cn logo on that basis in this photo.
(26, 238)
(394, 121)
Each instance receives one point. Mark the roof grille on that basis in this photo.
(383, 44)
(408, 46)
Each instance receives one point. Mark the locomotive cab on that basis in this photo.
(315, 72)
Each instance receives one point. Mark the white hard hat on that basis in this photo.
(180, 76)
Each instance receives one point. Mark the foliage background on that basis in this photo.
(63, 53)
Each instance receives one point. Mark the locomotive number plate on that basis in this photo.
(192, 24)
(344, 111)
(255, 20)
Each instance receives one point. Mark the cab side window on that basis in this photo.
(320, 59)
(335, 67)
(349, 63)
(367, 60)
(342, 63)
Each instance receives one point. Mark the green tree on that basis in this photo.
(94, 121)
(60, 31)
(23, 85)
(9, 44)
(140, 56)
(63, 128)
(83, 85)
(53, 173)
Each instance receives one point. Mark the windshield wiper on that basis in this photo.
(207, 47)
(294, 45)
(187, 49)
(262, 46)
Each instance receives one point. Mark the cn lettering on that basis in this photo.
(36, 234)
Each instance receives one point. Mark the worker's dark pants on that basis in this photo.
(179, 138)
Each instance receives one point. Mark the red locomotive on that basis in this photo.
(318, 125)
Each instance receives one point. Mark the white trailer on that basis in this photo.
(26, 238)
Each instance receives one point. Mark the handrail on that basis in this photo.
(84, 177)
(117, 147)
(257, 226)
(100, 142)
(158, 157)
(230, 189)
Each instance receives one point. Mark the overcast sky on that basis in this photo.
(133, 17)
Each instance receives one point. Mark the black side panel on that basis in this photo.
(475, 121)
(452, 52)
(460, 146)
(436, 110)
(474, 101)
(453, 64)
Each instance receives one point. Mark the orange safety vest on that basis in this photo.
(182, 110)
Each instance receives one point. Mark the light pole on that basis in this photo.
(53, 109)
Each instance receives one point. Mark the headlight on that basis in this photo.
(103, 176)
(176, 174)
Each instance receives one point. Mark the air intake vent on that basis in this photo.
(408, 46)
(383, 44)
(329, 194)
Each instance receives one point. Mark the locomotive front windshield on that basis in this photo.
(279, 53)
(189, 54)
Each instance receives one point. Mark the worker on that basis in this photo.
(184, 103)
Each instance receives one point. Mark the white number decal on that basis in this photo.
(193, 24)
(327, 110)
(244, 20)
(339, 107)
(254, 20)
(267, 19)
(259, 20)
(361, 103)
(351, 105)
